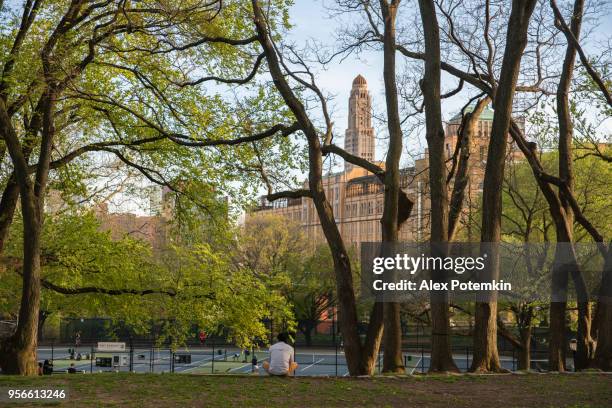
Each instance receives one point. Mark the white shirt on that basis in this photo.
(281, 356)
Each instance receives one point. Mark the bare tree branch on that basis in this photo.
(571, 38)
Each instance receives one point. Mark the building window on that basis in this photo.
(482, 153)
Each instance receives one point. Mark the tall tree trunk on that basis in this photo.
(360, 358)
(467, 133)
(373, 338)
(486, 356)
(585, 346)
(18, 354)
(348, 321)
(375, 327)
(565, 262)
(8, 204)
(10, 195)
(342, 265)
(524, 354)
(19, 351)
(392, 334)
(524, 316)
(441, 353)
(556, 339)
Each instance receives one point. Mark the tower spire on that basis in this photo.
(359, 135)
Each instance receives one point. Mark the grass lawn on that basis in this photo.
(168, 390)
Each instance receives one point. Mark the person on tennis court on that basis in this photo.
(47, 368)
(282, 357)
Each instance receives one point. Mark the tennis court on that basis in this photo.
(231, 360)
(234, 361)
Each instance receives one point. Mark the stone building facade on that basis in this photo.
(357, 196)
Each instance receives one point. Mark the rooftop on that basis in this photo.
(359, 80)
(487, 114)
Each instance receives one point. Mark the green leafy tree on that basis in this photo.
(311, 291)
(86, 273)
(121, 80)
(273, 249)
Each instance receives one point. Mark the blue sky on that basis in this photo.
(310, 19)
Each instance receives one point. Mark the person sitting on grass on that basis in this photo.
(282, 359)
(72, 369)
